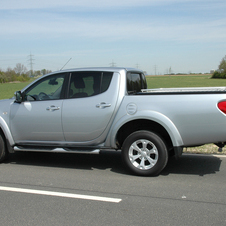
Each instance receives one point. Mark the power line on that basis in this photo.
(31, 63)
(113, 64)
(155, 67)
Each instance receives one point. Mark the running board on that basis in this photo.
(57, 150)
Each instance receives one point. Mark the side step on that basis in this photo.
(57, 150)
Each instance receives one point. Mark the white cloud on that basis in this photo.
(96, 4)
(85, 28)
(57, 23)
(27, 4)
(49, 25)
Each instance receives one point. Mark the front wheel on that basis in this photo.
(144, 153)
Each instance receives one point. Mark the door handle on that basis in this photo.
(103, 105)
(52, 108)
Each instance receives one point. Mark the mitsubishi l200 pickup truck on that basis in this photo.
(94, 109)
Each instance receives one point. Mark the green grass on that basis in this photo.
(183, 81)
(7, 90)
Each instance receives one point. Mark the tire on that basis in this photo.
(3, 151)
(144, 153)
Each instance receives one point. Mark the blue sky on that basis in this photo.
(184, 35)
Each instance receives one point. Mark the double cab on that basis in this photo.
(94, 109)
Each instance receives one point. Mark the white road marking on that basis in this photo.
(60, 194)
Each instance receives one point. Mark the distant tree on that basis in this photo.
(20, 69)
(20, 73)
(221, 72)
(10, 74)
(30, 73)
(44, 71)
(3, 78)
(222, 66)
(23, 78)
(37, 73)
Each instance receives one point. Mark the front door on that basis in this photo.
(38, 117)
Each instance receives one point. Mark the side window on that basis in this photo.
(90, 83)
(48, 88)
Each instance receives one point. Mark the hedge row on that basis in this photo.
(13, 77)
(217, 74)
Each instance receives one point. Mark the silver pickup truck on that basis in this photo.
(94, 109)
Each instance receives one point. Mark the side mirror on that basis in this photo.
(18, 96)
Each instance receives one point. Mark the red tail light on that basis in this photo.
(222, 106)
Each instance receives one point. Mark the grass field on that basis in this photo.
(7, 91)
(174, 81)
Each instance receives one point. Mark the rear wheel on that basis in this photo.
(3, 152)
(144, 153)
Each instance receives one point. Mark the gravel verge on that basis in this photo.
(205, 149)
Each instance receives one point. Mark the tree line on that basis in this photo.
(20, 73)
(221, 72)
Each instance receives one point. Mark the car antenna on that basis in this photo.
(65, 64)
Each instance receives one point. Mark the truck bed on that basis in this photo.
(189, 90)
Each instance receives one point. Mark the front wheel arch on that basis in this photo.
(3, 147)
(144, 153)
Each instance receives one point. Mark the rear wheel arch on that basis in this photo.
(143, 124)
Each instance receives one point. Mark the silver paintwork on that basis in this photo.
(32, 121)
(190, 119)
(87, 120)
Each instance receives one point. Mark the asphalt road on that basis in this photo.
(72, 189)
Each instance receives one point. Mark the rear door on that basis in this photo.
(90, 105)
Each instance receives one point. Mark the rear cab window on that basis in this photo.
(135, 82)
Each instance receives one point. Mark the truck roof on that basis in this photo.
(115, 69)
